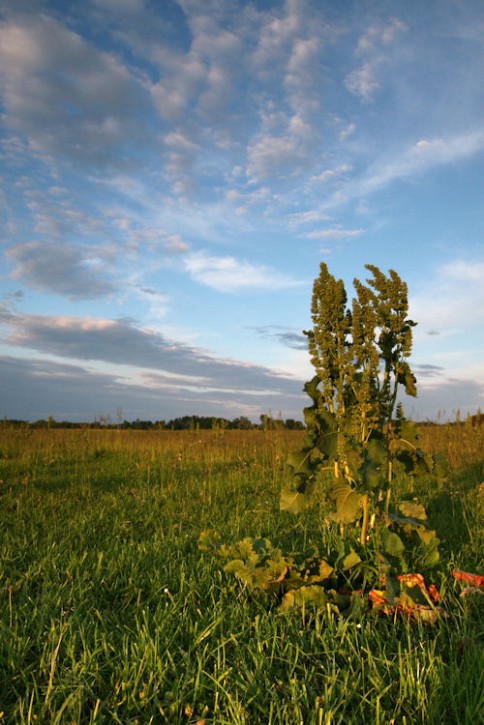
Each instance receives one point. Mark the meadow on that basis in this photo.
(109, 612)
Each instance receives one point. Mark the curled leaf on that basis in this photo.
(476, 579)
(414, 600)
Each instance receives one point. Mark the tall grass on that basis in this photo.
(110, 614)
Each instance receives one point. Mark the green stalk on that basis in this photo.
(366, 518)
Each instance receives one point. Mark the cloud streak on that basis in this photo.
(227, 274)
(123, 343)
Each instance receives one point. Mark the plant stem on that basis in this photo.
(364, 525)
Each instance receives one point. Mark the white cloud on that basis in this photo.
(416, 159)
(452, 300)
(307, 217)
(270, 155)
(276, 36)
(329, 175)
(425, 155)
(365, 80)
(466, 272)
(175, 243)
(334, 233)
(227, 274)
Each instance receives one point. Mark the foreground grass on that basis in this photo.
(109, 613)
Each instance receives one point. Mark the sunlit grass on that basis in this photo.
(109, 613)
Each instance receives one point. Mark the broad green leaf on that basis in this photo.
(245, 549)
(431, 554)
(323, 571)
(299, 460)
(348, 502)
(352, 559)
(392, 544)
(372, 475)
(304, 596)
(239, 569)
(375, 452)
(412, 510)
(294, 501)
(406, 522)
(270, 576)
(327, 443)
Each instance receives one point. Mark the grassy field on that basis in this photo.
(109, 613)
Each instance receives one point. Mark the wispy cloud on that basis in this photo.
(416, 159)
(452, 300)
(287, 337)
(227, 274)
(365, 80)
(333, 233)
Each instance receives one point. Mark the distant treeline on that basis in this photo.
(197, 422)
(186, 422)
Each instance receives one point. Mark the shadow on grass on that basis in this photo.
(454, 510)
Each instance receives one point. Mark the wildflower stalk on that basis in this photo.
(360, 354)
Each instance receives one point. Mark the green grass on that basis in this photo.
(110, 613)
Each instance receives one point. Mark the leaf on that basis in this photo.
(378, 598)
(348, 502)
(313, 596)
(311, 388)
(270, 576)
(392, 544)
(426, 535)
(294, 501)
(371, 474)
(412, 510)
(245, 549)
(428, 615)
(261, 546)
(414, 600)
(299, 460)
(475, 579)
(350, 560)
(406, 378)
(239, 569)
(325, 569)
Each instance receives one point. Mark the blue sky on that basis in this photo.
(173, 173)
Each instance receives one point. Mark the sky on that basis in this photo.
(174, 171)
